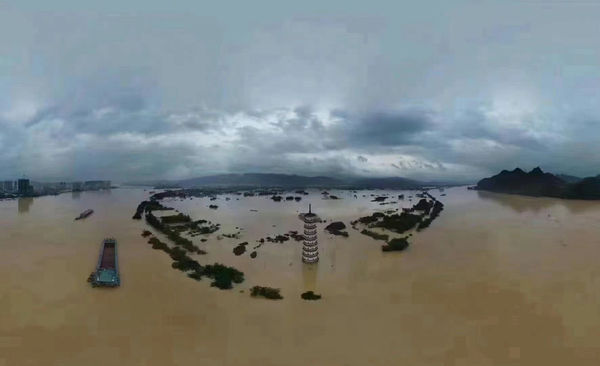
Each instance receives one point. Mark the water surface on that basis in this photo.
(495, 280)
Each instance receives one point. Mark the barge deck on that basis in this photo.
(107, 270)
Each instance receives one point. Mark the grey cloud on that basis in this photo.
(180, 89)
(379, 130)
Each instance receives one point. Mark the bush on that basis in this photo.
(223, 276)
(375, 235)
(175, 219)
(240, 248)
(396, 244)
(336, 228)
(399, 223)
(309, 295)
(266, 292)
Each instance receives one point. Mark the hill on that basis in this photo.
(289, 181)
(538, 183)
(569, 178)
(260, 180)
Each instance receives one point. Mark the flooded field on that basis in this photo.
(495, 280)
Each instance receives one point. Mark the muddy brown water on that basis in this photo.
(495, 280)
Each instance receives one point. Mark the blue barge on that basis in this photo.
(107, 270)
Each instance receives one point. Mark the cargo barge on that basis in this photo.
(107, 270)
(84, 214)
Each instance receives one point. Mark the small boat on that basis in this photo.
(107, 270)
(84, 214)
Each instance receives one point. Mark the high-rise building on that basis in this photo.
(96, 185)
(23, 187)
(310, 248)
(77, 186)
(8, 186)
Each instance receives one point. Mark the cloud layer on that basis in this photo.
(380, 90)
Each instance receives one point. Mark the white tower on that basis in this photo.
(310, 249)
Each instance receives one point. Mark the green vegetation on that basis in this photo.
(368, 219)
(266, 292)
(140, 210)
(336, 228)
(435, 212)
(396, 244)
(154, 205)
(240, 248)
(375, 235)
(196, 227)
(406, 220)
(173, 235)
(399, 223)
(223, 276)
(309, 295)
(148, 206)
(423, 205)
(175, 219)
(157, 244)
(232, 236)
(186, 264)
(278, 238)
(195, 275)
(294, 235)
(379, 199)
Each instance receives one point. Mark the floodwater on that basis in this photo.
(495, 280)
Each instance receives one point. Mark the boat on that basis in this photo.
(84, 214)
(107, 270)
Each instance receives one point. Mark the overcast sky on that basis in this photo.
(444, 90)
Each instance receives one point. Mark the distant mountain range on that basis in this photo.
(290, 181)
(569, 178)
(538, 183)
(259, 180)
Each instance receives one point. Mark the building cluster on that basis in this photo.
(24, 187)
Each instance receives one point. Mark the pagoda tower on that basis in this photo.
(310, 249)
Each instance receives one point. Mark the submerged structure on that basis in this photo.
(84, 214)
(107, 270)
(310, 248)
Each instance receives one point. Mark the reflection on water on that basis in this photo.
(24, 204)
(517, 203)
(76, 194)
(523, 204)
(309, 275)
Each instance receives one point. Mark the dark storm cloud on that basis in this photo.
(390, 128)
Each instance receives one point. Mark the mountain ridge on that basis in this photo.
(290, 181)
(540, 184)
